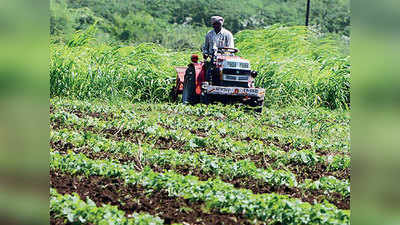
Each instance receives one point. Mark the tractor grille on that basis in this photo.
(238, 78)
(234, 84)
(236, 72)
(235, 76)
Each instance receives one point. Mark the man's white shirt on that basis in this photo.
(213, 40)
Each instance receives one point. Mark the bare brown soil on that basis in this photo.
(57, 221)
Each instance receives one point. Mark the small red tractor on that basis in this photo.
(226, 78)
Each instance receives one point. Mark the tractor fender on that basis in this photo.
(200, 76)
(199, 69)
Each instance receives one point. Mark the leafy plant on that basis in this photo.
(76, 210)
(216, 194)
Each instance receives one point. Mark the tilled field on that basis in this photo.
(162, 164)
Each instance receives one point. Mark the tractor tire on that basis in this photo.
(204, 98)
(260, 106)
(259, 109)
(257, 105)
(173, 94)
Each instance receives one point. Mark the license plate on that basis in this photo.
(232, 91)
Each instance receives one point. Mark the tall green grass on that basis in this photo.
(139, 73)
(296, 66)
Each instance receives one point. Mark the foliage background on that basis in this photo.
(181, 24)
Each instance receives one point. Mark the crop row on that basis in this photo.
(218, 166)
(294, 138)
(314, 121)
(75, 210)
(189, 141)
(284, 118)
(214, 193)
(97, 141)
(136, 198)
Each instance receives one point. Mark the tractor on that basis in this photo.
(226, 78)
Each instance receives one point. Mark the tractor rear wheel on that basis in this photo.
(173, 94)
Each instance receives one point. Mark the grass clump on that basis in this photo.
(144, 72)
(298, 66)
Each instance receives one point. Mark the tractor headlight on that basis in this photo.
(254, 73)
(204, 85)
(244, 65)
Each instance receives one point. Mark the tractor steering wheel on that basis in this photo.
(227, 49)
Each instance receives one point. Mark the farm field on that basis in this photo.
(122, 152)
(147, 163)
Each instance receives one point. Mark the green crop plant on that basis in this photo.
(218, 166)
(128, 141)
(209, 164)
(177, 128)
(151, 130)
(78, 211)
(215, 194)
(303, 121)
(191, 141)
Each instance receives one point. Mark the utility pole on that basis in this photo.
(308, 12)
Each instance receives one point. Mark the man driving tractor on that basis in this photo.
(225, 78)
(219, 37)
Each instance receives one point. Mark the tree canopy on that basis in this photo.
(181, 24)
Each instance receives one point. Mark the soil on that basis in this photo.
(257, 186)
(57, 221)
(261, 160)
(131, 198)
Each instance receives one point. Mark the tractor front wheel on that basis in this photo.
(259, 109)
(257, 104)
(204, 98)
